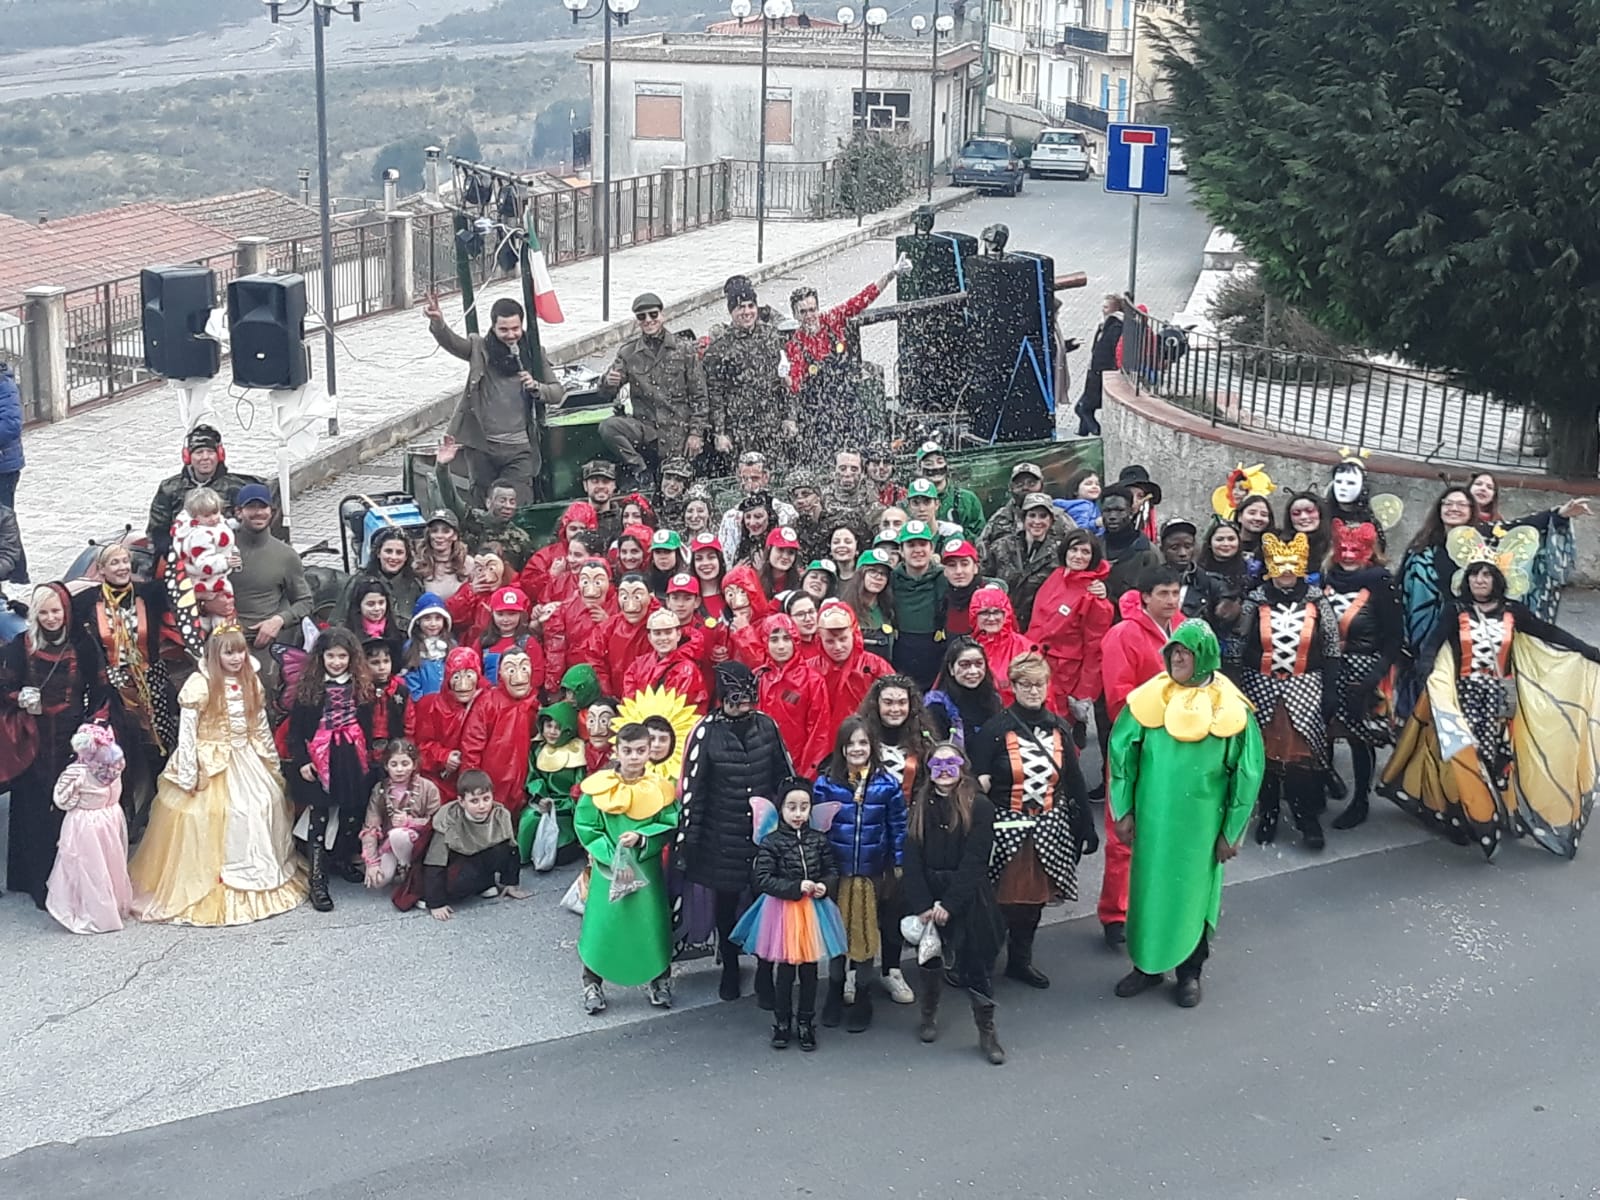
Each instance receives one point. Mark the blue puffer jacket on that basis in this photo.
(10, 422)
(869, 838)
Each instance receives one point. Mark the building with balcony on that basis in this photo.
(682, 99)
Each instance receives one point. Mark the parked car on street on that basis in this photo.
(1060, 152)
(1176, 164)
(989, 163)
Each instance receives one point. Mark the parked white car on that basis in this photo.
(1060, 152)
(1176, 164)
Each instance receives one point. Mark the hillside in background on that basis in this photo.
(35, 24)
(79, 153)
(521, 20)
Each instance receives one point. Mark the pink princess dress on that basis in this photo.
(89, 890)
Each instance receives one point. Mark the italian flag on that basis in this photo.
(545, 302)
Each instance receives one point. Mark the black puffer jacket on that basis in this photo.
(789, 856)
(726, 761)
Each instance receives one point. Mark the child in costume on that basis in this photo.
(204, 544)
(627, 940)
(794, 920)
(428, 644)
(399, 815)
(391, 697)
(472, 852)
(89, 890)
(330, 728)
(435, 722)
(556, 767)
(599, 739)
(509, 628)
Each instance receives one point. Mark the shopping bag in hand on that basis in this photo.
(626, 878)
(545, 839)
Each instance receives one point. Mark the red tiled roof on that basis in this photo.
(76, 252)
(259, 212)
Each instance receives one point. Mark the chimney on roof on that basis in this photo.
(430, 171)
(44, 215)
(305, 186)
(391, 189)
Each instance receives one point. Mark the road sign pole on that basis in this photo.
(1133, 250)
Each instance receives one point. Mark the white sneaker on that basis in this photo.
(850, 986)
(594, 999)
(897, 987)
(660, 992)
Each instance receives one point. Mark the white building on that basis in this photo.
(686, 99)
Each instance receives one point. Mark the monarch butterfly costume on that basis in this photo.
(1505, 735)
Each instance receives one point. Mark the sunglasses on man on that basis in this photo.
(649, 314)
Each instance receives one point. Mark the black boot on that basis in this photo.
(764, 987)
(1019, 954)
(929, 986)
(807, 1033)
(728, 989)
(1268, 804)
(1355, 812)
(320, 900)
(1305, 793)
(782, 1031)
(833, 1006)
(1336, 788)
(858, 1016)
(988, 1040)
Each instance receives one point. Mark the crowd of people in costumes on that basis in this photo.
(836, 730)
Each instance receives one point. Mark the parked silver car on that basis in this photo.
(990, 163)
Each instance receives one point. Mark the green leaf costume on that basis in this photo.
(553, 771)
(1187, 761)
(628, 942)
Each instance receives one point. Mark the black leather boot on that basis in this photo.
(929, 986)
(1019, 953)
(728, 989)
(1305, 794)
(858, 1016)
(764, 986)
(320, 900)
(988, 1040)
(1268, 804)
(833, 1005)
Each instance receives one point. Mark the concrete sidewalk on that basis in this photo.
(92, 474)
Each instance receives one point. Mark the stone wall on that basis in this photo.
(1189, 457)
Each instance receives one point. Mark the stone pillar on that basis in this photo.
(46, 375)
(250, 256)
(402, 269)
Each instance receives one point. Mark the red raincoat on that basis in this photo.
(678, 671)
(495, 739)
(617, 643)
(847, 683)
(1000, 648)
(538, 575)
(569, 637)
(435, 723)
(1068, 624)
(794, 696)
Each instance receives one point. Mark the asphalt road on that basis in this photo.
(1391, 1026)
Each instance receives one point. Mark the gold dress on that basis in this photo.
(218, 850)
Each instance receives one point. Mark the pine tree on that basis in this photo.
(1419, 176)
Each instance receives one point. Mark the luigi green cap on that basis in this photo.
(915, 531)
(875, 557)
(666, 539)
(922, 489)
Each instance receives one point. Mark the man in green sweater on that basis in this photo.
(270, 593)
(955, 503)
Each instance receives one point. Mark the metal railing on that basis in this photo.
(360, 268)
(105, 341)
(1077, 113)
(795, 190)
(1380, 406)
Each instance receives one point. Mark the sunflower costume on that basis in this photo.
(1187, 761)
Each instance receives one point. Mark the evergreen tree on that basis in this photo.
(1420, 177)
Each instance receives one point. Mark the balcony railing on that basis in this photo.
(1067, 39)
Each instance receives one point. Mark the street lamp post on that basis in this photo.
(771, 10)
(942, 23)
(618, 11)
(872, 18)
(321, 16)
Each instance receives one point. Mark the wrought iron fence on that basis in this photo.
(360, 268)
(795, 190)
(105, 341)
(1343, 401)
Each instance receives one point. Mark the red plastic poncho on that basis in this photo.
(1069, 624)
(847, 682)
(617, 643)
(498, 732)
(794, 696)
(678, 671)
(541, 571)
(999, 648)
(570, 635)
(436, 722)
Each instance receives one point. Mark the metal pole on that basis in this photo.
(605, 178)
(318, 16)
(761, 165)
(861, 150)
(1133, 251)
(933, 95)
(983, 100)
(1133, 64)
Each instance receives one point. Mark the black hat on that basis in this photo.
(646, 301)
(739, 290)
(1137, 476)
(203, 437)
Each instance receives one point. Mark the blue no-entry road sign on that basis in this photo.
(1136, 159)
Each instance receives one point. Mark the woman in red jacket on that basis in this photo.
(570, 632)
(747, 608)
(995, 629)
(435, 723)
(791, 692)
(1071, 613)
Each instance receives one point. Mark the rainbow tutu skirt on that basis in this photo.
(791, 931)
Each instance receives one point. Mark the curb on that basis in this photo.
(333, 460)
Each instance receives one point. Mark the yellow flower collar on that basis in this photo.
(564, 756)
(1190, 714)
(637, 801)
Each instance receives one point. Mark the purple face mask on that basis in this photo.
(945, 767)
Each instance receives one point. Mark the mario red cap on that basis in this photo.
(509, 600)
(783, 538)
(683, 583)
(958, 548)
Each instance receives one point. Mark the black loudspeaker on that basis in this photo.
(935, 351)
(267, 322)
(1013, 355)
(175, 304)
